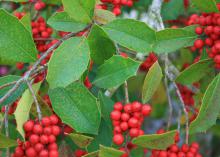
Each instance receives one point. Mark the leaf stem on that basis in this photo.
(126, 92)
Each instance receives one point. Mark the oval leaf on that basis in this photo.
(209, 109)
(81, 140)
(68, 62)
(63, 22)
(115, 71)
(169, 40)
(104, 16)
(80, 10)
(109, 152)
(132, 34)
(16, 43)
(151, 82)
(96, 38)
(195, 72)
(6, 142)
(77, 107)
(24, 107)
(206, 5)
(156, 141)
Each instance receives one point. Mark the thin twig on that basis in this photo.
(6, 128)
(185, 112)
(8, 84)
(169, 103)
(37, 63)
(35, 100)
(126, 92)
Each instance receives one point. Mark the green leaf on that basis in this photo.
(16, 43)
(80, 10)
(26, 21)
(172, 10)
(68, 62)
(8, 79)
(156, 141)
(206, 5)
(24, 107)
(61, 21)
(209, 109)
(151, 82)
(115, 71)
(104, 137)
(77, 107)
(109, 152)
(81, 140)
(17, 0)
(169, 40)
(106, 108)
(104, 16)
(55, 2)
(132, 34)
(195, 72)
(101, 47)
(6, 142)
(93, 154)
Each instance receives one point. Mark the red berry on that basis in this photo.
(199, 30)
(118, 139)
(124, 126)
(44, 139)
(46, 121)
(125, 117)
(118, 106)
(146, 110)
(133, 122)
(34, 139)
(53, 153)
(54, 119)
(134, 132)
(44, 153)
(30, 152)
(136, 106)
(55, 130)
(38, 129)
(115, 115)
(199, 43)
(28, 126)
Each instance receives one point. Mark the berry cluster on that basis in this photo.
(187, 95)
(40, 32)
(128, 119)
(116, 5)
(40, 138)
(150, 60)
(175, 151)
(209, 31)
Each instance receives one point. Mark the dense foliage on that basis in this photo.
(109, 78)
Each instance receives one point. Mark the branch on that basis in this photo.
(35, 101)
(37, 63)
(7, 84)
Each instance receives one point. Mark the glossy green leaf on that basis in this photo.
(151, 82)
(77, 107)
(68, 62)
(80, 10)
(26, 21)
(104, 16)
(170, 40)
(209, 109)
(8, 79)
(115, 71)
(24, 107)
(61, 21)
(109, 152)
(132, 34)
(156, 141)
(206, 5)
(6, 142)
(195, 72)
(101, 46)
(16, 43)
(81, 140)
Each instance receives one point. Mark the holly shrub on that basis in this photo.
(109, 78)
